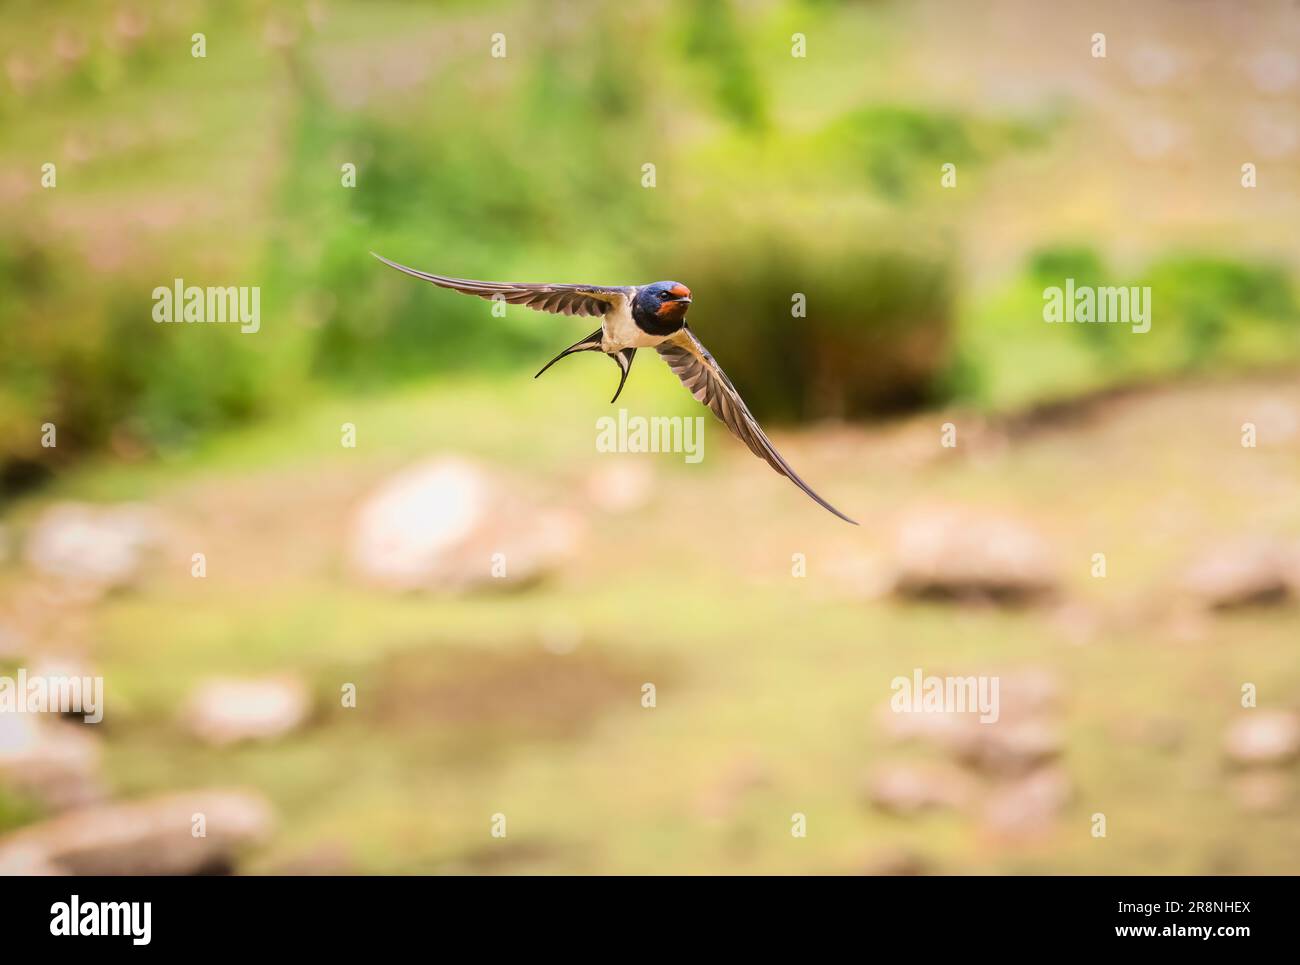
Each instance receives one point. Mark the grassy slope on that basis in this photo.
(755, 670)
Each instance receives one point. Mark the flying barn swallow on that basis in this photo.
(633, 317)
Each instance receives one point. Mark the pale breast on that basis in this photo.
(620, 331)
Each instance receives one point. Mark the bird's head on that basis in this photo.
(664, 301)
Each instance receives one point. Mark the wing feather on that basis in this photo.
(705, 380)
(591, 300)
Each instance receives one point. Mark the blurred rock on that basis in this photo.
(98, 547)
(895, 861)
(1277, 419)
(958, 554)
(944, 730)
(129, 27)
(449, 525)
(1023, 737)
(1010, 748)
(743, 775)
(56, 763)
(70, 46)
(1261, 792)
(1028, 807)
(909, 789)
(327, 858)
(1242, 574)
(621, 486)
(226, 711)
(26, 861)
(1028, 692)
(1274, 71)
(1264, 737)
(154, 836)
(53, 666)
(22, 74)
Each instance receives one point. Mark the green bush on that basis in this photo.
(876, 333)
(1206, 311)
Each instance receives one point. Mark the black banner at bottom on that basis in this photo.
(334, 914)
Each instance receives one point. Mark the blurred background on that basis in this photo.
(309, 642)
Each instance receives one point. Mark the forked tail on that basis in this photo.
(592, 344)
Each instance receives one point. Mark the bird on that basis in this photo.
(634, 317)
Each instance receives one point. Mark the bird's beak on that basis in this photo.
(682, 301)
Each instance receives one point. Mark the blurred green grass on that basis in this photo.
(766, 670)
(227, 170)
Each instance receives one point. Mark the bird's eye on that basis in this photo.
(663, 294)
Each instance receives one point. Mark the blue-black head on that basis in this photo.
(660, 308)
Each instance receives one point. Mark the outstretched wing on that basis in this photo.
(692, 363)
(594, 300)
